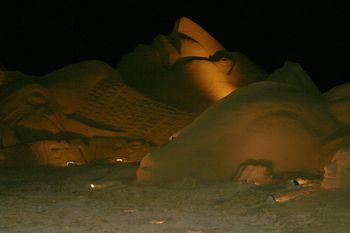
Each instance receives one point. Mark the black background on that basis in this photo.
(38, 37)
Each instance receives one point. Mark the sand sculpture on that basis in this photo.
(188, 61)
(266, 121)
(85, 112)
(269, 130)
(226, 118)
(106, 120)
(273, 124)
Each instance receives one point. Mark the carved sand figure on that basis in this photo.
(252, 126)
(189, 61)
(105, 108)
(86, 104)
(280, 128)
(269, 121)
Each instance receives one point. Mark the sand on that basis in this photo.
(46, 200)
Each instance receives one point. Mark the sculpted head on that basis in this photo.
(57, 153)
(190, 60)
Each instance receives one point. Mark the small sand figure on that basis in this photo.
(254, 172)
(337, 173)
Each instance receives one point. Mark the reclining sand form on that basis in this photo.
(88, 106)
(259, 125)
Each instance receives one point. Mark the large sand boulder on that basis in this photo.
(266, 121)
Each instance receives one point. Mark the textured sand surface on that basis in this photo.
(63, 201)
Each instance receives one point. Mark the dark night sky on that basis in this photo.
(38, 37)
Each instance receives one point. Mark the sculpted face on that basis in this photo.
(57, 153)
(192, 61)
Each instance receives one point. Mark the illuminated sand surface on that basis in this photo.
(268, 121)
(63, 201)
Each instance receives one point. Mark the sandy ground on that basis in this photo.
(47, 200)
